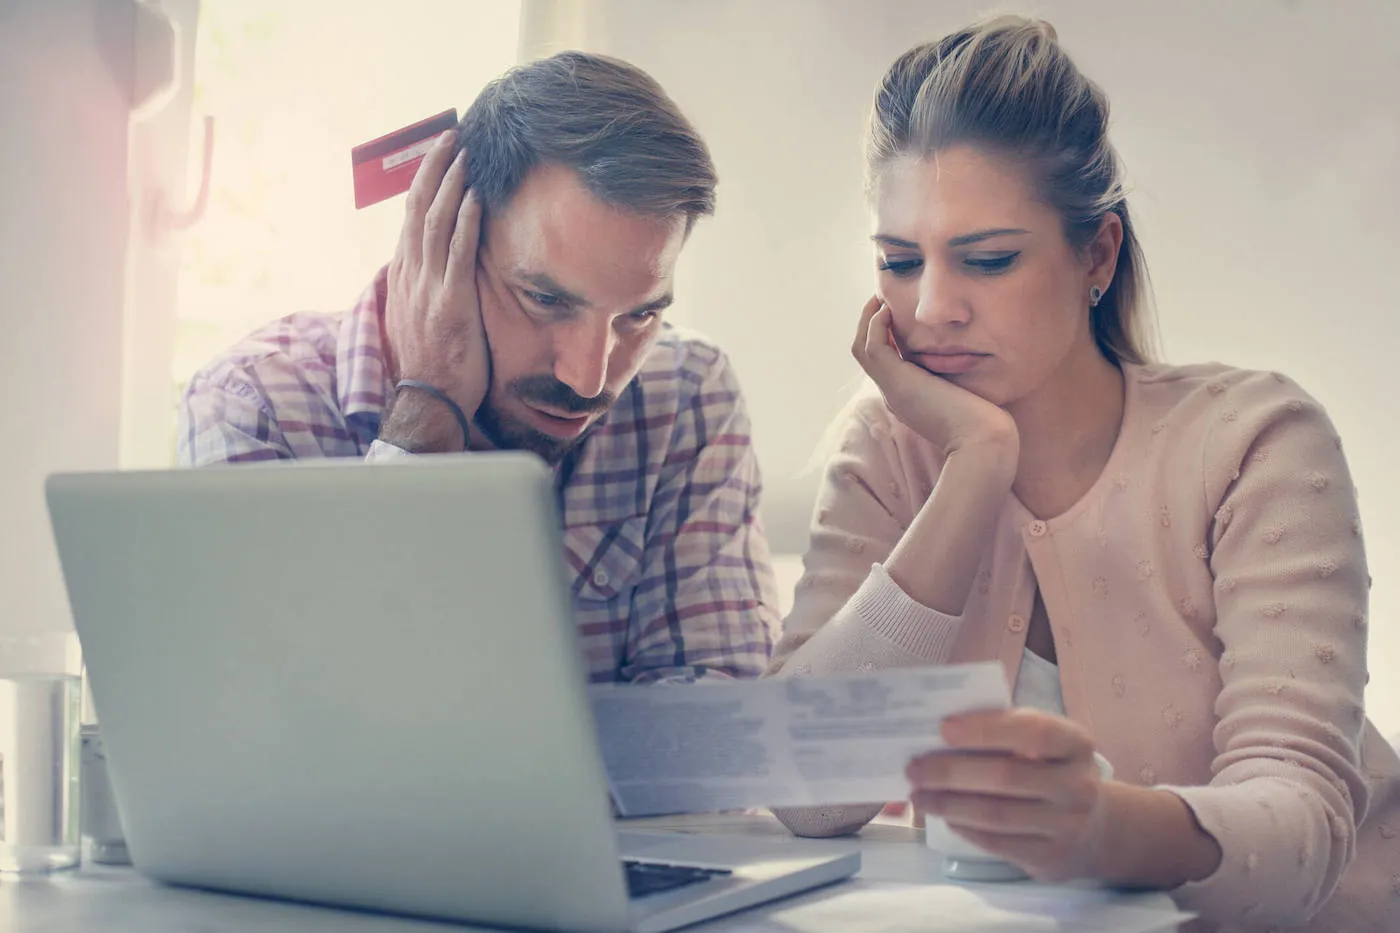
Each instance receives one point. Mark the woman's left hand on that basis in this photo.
(1021, 784)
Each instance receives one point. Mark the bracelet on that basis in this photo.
(443, 397)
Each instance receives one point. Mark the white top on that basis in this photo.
(1038, 684)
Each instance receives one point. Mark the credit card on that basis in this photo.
(385, 166)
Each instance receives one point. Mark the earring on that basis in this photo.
(1095, 294)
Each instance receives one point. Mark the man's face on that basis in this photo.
(571, 295)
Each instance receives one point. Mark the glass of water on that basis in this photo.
(40, 706)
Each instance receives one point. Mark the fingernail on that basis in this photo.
(445, 136)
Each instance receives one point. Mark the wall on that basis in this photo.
(65, 74)
(1261, 139)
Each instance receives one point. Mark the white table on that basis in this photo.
(119, 900)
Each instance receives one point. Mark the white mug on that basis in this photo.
(963, 861)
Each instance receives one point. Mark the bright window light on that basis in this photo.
(292, 87)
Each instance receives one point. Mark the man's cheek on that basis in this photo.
(629, 356)
(489, 296)
(493, 324)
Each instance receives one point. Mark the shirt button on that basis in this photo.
(600, 577)
(1016, 623)
(1037, 529)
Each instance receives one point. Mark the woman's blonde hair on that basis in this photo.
(1007, 87)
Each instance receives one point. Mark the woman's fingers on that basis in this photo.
(1029, 733)
(1002, 775)
(863, 327)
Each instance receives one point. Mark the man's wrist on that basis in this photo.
(420, 424)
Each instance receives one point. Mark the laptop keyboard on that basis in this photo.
(645, 878)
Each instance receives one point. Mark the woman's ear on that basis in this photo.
(1103, 250)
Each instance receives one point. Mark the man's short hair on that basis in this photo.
(607, 120)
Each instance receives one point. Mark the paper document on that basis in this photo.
(867, 907)
(784, 742)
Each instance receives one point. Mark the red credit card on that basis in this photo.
(385, 166)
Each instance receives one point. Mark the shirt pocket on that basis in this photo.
(607, 561)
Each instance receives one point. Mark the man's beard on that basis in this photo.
(506, 432)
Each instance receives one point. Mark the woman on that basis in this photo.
(1167, 560)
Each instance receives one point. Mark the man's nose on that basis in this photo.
(581, 354)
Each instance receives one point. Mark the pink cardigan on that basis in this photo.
(1208, 601)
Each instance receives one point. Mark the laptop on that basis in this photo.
(361, 685)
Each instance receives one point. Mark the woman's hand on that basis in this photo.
(1021, 784)
(936, 560)
(946, 415)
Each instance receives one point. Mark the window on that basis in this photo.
(292, 87)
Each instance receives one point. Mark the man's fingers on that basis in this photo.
(466, 236)
(425, 186)
(441, 220)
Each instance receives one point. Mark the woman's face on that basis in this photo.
(982, 285)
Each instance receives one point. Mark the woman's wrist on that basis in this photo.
(997, 447)
(993, 460)
(936, 560)
(1152, 840)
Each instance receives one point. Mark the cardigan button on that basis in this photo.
(1016, 623)
(1037, 529)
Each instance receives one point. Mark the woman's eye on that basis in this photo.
(991, 265)
(900, 267)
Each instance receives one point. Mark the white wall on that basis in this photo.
(65, 76)
(1261, 137)
(69, 356)
(158, 147)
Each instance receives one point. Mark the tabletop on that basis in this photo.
(120, 900)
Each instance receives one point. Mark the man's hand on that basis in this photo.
(432, 314)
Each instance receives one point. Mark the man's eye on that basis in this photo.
(636, 320)
(543, 300)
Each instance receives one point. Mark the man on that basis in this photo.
(522, 310)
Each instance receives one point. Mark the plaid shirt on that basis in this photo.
(672, 579)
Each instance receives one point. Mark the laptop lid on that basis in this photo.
(346, 683)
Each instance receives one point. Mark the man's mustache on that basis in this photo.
(549, 392)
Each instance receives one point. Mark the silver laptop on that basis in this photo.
(361, 685)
